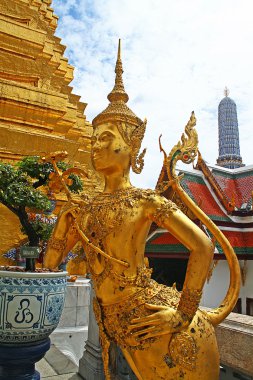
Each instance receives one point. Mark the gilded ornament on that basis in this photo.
(163, 212)
(104, 340)
(58, 244)
(189, 302)
(183, 351)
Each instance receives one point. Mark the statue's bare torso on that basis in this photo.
(119, 223)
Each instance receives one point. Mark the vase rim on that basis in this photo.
(9, 273)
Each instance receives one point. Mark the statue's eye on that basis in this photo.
(106, 137)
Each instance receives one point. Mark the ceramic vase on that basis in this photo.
(30, 309)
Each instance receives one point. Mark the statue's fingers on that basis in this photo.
(74, 212)
(143, 333)
(144, 320)
(155, 307)
(155, 333)
(142, 325)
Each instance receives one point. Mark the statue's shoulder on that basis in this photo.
(152, 195)
(157, 206)
(143, 194)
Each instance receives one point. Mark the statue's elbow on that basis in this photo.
(207, 248)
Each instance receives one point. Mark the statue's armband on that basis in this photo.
(57, 244)
(163, 212)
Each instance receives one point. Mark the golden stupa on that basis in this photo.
(38, 113)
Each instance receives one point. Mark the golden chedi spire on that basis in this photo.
(117, 109)
(39, 113)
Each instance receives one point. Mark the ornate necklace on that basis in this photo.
(107, 212)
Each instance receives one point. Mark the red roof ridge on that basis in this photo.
(225, 201)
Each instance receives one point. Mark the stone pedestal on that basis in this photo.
(91, 364)
(72, 331)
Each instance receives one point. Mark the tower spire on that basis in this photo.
(226, 91)
(229, 144)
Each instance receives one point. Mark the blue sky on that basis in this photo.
(177, 57)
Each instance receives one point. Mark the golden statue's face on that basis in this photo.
(109, 152)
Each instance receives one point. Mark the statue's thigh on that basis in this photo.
(148, 364)
(189, 355)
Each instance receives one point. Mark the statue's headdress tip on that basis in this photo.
(119, 48)
(117, 109)
(118, 92)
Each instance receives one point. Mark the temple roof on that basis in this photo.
(197, 189)
(237, 185)
(225, 195)
(162, 244)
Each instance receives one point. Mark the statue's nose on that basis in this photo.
(96, 146)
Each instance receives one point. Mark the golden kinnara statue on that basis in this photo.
(160, 330)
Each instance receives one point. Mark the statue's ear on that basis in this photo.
(137, 160)
(126, 131)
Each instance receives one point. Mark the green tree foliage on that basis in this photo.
(19, 191)
(40, 171)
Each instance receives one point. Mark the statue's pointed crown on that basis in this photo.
(117, 109)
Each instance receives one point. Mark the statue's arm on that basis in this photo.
(166, 214)
(164, 319)
(63, 239)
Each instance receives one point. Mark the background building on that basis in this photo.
(224, 193)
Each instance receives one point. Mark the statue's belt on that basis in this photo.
(117, 317)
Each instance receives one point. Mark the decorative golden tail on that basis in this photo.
(186, 151)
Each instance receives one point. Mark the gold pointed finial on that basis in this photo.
(118, 93)
(119, 49)
(226, 91)
(117, 109)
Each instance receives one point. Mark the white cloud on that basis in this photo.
(177, 55)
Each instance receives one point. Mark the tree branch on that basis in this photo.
(40, 182)
(29, 230)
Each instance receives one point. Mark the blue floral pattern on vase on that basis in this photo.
(30, 305)
(54, 309)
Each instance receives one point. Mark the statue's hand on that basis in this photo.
(70, 208)
(164, 320)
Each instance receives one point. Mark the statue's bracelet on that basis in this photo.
(59, 244)
(189, 302)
